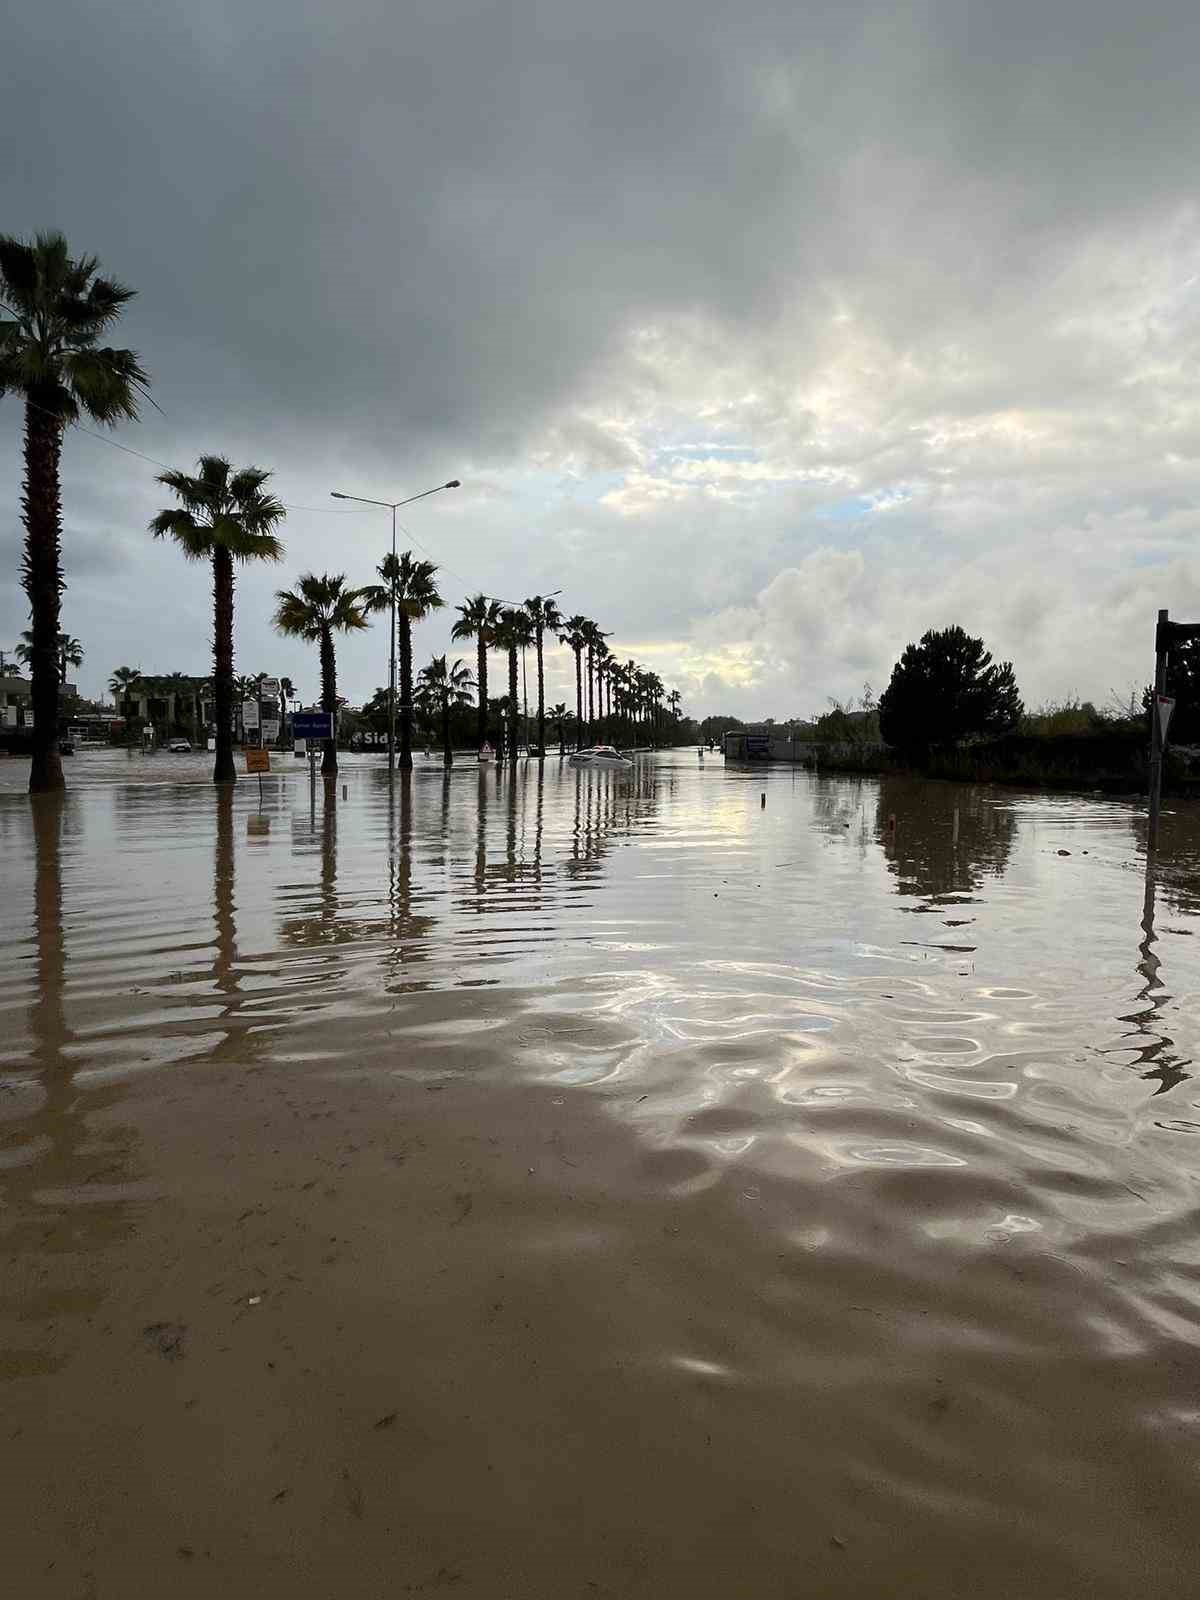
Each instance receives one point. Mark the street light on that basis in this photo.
(392, 505)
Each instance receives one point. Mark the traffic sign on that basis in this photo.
(312, 725)
(1165, 706)
(258, 761)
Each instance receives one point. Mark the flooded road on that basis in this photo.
(568, 1185)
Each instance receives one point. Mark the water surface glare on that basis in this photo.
(552, 1183)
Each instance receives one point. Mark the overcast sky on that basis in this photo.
(772, 333)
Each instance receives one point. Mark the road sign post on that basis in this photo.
(1167, 635)
(258, 761)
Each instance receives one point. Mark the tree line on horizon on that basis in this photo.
(56, 309)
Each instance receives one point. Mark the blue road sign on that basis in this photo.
(312, 725)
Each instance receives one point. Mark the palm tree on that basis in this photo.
(594, 640)
(120, 684)
(50, 355)
(313, 610)
(438, 688)
(67, 652)
(574, 636)
(478, 619)
(515, 631)
(409, 585)
(558, 715)
(546, 618)
(224, 516)
(629, 674)
(604, 687)
(654, 691)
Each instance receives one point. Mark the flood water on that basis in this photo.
(561, 1184)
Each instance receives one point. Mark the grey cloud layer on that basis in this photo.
(376, 245)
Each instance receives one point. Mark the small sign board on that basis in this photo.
(249, 714)
(1165, 705)
(268, 688)
(312, 725)
(270, 729)
(258, 761)
(300, 748)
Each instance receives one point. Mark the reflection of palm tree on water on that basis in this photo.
(407, 929)
(237, 1038)
(71, 1153)
(320, 924)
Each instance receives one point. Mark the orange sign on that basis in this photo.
(258, 761)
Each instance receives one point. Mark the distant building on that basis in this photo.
(15, 694)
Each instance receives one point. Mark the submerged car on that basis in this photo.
(601, 755)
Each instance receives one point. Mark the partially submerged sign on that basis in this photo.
(258, 761)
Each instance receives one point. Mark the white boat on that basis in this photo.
(601, 755)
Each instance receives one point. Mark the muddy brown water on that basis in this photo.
(560, 1185)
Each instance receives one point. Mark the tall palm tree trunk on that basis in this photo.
(481, 674)
(43, 585)
(447, 752)
(329, 702)
(513, 703)
(541, 698)
(591, 700)
(404, 761)
(578, 697)
(223, 768)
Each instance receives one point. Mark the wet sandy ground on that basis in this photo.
(593, 1188)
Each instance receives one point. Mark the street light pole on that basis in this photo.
(392, 656)
(392, 505)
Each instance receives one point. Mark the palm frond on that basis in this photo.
(18, 273)
(103, 382)
(194, 538)
(295, 617)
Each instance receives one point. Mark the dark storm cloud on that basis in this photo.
(376, 244)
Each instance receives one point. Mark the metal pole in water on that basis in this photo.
(955, 834)
(1156, 735)
(763, 802)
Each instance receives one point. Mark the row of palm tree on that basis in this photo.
(620, 696)
(57, 310)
